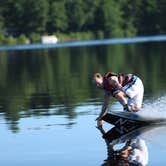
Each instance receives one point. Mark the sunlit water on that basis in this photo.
(48, 104)
(52, 141)
(56, 140)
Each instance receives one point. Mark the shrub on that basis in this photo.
(22, 39)
(35, 38)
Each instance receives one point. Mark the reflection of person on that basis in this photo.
(136, 152)
(126, 88)
(133, 153)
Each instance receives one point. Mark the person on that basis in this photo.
(128, 89)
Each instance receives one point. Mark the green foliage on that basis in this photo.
(76, 15)
(130, 11)
(99, 34)
(22, 39)
(11, 40)
(1, 25)
(57, 21)
(110, 17)
(35, 16)
(2, 38)
(160, 17)
(7, 40)
(77, 36)
(35, 38)
(25, 17)
(147, 17)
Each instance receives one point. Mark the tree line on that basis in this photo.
(112, 18)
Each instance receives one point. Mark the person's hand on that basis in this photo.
(99, 123)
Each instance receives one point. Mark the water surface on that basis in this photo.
(48, 104)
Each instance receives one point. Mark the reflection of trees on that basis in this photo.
(47, 78)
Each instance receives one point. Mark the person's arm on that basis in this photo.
(104, 107)
(103, 111)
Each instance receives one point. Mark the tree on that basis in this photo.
(12, 14)
(34, 16)
(115, 18)
(76, 15)
(89, 8)
(1, 25)
(146, 17)
(129, 9)
(25, 17)
(57, 17)
(109, 18)
(160, 21)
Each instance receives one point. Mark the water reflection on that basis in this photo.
(126, 148)
(37, 80)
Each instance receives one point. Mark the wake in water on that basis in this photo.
(155, 108)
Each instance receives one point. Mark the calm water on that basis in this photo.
(48, 104)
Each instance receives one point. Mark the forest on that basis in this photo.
(104, 18)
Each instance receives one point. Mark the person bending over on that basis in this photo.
(128, 89)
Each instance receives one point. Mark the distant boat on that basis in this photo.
(52, 39)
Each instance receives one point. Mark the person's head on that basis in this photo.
(98, 80)
(108, 81)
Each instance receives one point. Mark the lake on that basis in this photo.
(48, 104)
